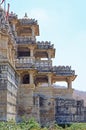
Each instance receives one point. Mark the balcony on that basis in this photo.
(24, 62)
(45, 45)
(23, 40)
(43, 63)
(57, 70)
(43, 66)
(28, 21)
(63, 70)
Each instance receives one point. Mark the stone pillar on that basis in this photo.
(49, 55)
(10, 52)
(31, 78)
(49, 80)
(13, 27)
(8, 55)
(31, 52)
(33, 33)
(13, 56)
(69, 82)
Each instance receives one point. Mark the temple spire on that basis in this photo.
(25, 17)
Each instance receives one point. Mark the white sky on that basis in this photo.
(63, 22)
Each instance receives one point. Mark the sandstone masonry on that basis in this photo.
(27, 76)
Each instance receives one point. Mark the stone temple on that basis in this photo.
(27, 76)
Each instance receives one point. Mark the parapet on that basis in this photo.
(45, 45)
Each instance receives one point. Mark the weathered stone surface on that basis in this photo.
(27, 78)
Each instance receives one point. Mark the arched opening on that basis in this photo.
(26, 79)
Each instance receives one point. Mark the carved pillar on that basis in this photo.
(69, 83)
(10, 52)
(49, 55)
(31, 52)
(31, 78)
(13, 27)
(13, 56)
(49, 80)
(33, 33)
(8, 56)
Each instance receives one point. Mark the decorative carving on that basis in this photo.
(12, 16)
(25, 40)
(45, 45)
(26, 30)
(25, 21)
(3, 23)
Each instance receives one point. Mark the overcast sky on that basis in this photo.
(63, 22)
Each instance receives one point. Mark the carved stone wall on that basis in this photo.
(25, 101)
(69, 110)
(21, 53)
(8, 92)
(47, 113)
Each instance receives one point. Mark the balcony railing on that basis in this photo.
(28, 21)
(58, 70)
(43, 63)
(30, 63)
(45, 45)
(25, 60)
(63, 70)
(23, 40)
(44, 66)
